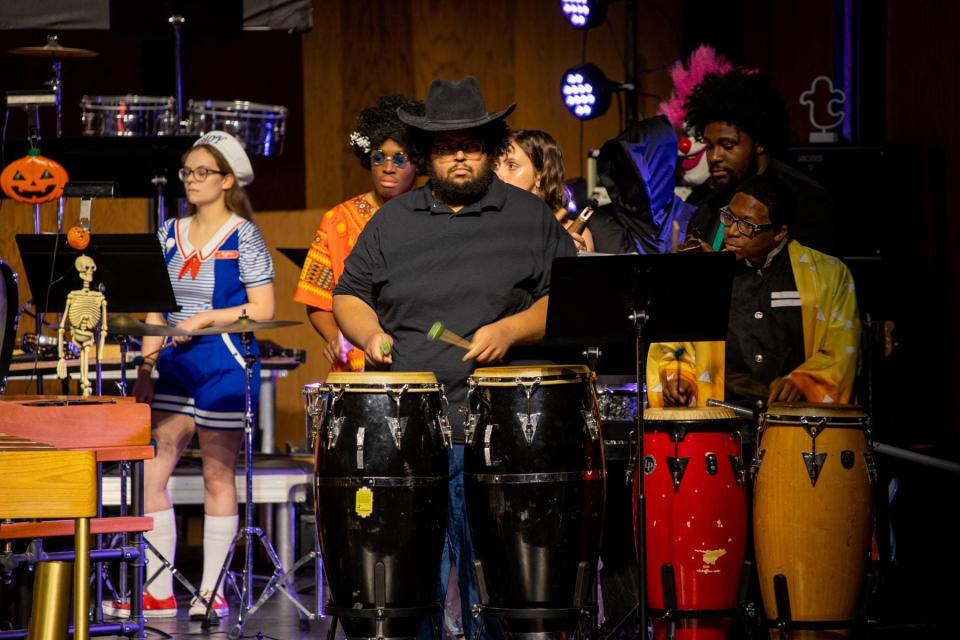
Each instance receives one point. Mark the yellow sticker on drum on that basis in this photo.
(364, 502)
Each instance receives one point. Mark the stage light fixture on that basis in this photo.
(584, 14)
(586, 91)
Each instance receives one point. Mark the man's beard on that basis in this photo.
(462, 193)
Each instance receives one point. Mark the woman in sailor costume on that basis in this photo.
(220, 268)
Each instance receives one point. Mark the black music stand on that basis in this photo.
(615, 306)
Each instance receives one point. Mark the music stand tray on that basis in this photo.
(619, 304)
(130, 268)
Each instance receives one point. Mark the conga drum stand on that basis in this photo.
(613, 302)
(249, 533)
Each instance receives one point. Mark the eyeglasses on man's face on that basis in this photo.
(745, 227)
(200, 173)
(472, 149)
(399, 159)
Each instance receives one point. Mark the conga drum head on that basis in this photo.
(546, 374)
(797, 412)
(363, 381)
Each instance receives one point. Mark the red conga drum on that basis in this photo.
(696, 519)
(813, 515)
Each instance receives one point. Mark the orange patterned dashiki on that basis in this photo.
(333, 240)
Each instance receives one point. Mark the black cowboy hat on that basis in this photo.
(452, 105)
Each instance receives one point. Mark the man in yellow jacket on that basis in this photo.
(794, 329)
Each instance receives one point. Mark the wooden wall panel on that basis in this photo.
(321, 55)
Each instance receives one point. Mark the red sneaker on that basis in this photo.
(152, 608)
(198, 608)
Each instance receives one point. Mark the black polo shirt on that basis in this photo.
(417, 262)
(765, 333)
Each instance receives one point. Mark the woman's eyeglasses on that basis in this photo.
(745, 227)
(399, 159)
(200, 173)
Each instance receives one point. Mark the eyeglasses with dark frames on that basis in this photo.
(745, 227)
(200, 173)
(399, 159)
(472, 149)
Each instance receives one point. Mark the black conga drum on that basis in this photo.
(380, 451)
(534, 482)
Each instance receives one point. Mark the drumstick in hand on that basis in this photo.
(439, 332)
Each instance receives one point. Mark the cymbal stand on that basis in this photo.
(250, 533)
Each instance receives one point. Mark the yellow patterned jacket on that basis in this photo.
(831, 339)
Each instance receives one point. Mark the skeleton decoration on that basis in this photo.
(85, 310)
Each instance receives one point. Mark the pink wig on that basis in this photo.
(702, 61)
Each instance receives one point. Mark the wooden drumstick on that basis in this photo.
(439, 332)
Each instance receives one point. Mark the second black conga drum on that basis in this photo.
(534, 481)
(380, 443)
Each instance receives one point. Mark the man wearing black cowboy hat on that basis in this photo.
(465, 249)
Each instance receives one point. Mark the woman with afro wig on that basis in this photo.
(381, 144)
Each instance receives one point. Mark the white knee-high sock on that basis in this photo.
(164, 538)
(218, 533)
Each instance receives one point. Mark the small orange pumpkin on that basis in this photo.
(33, 179)
(78, 238)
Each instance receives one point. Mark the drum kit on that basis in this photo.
(540, 492)
(261, 128)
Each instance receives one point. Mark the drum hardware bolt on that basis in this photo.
(677, 466)
(334, 431)
(738, 469)
(446, 432)
(814, 463)
(529, 423)
(871, 465)
(590, 421)
(470, 428)
(397, 425)
(757, 461)
(488, 433)
(360, 431)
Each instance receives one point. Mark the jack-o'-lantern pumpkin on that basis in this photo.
(33, 179)
(78, 238)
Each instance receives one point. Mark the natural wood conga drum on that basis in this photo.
(812, 513)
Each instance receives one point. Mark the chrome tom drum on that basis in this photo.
(260, 128)
(129, 116)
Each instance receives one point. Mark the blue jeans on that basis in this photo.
(458, 551)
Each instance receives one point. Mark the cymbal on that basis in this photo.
(126, 326)
(245, 325)
(53, 49)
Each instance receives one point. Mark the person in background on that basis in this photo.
(380, 144)
(743, 121)
(220, 269)
(794, 329)
(533, 162)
